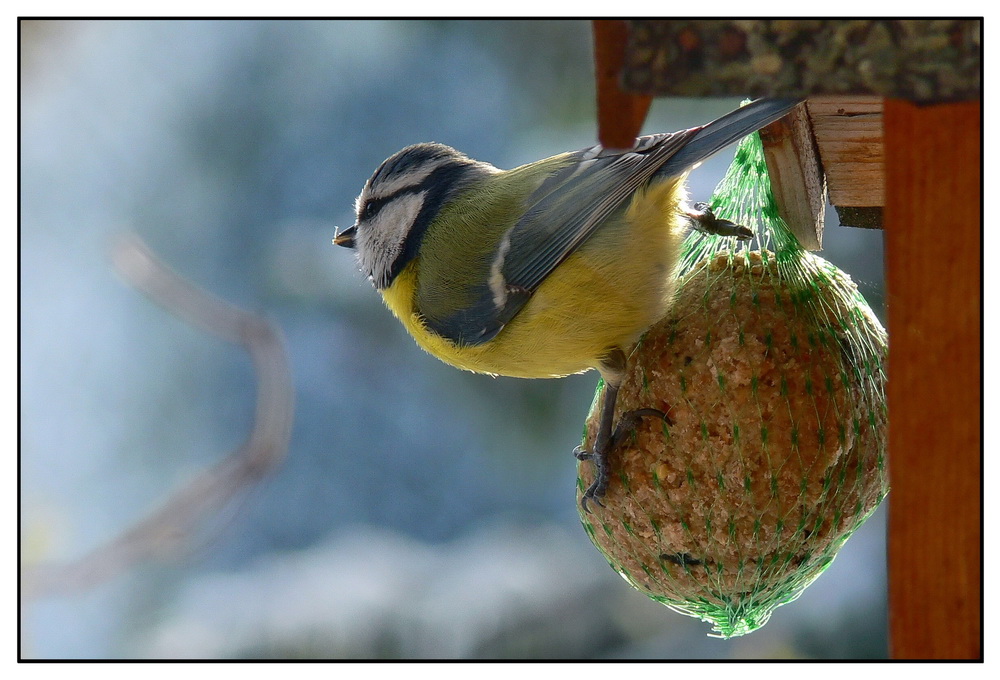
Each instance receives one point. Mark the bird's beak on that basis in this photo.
(346, 237)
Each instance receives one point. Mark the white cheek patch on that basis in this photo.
(380, 240)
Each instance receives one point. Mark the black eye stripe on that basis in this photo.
(372, 206)
(445, 173)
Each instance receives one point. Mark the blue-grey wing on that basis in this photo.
(563, 217)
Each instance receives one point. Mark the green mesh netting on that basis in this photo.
(770, 367)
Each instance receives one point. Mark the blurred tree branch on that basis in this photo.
(163, 531)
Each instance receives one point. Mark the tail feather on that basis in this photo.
(723, 131)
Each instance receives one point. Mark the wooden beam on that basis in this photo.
(620, 114)
(914, 59)
(848, 131)
(933, 246)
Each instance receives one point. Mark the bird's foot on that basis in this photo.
(704, 220)
(601, 454)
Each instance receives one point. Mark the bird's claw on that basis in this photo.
(597, 488)
(600, 484)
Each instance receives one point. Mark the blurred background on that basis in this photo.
(422, 512)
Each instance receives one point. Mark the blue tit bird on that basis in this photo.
(552, 268)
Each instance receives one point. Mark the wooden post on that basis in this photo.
(796, 175)
(620, 114)
(933, 252)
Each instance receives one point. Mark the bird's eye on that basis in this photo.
(368, 210)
